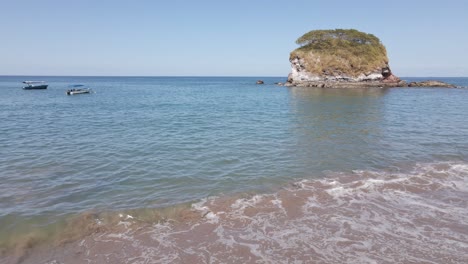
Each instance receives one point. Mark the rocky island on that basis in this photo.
(343, 58)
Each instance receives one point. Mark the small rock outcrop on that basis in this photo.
(260, 82)
(431, 83)
(341, 59)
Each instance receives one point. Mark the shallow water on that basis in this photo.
(147, 147)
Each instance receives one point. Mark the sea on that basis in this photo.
(221, 170)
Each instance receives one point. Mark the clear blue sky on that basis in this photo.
(220, 38)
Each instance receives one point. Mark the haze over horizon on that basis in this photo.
(212, 38)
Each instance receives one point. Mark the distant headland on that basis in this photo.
(344, 58)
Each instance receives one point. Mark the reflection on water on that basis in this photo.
(338, 129)
(343, 129)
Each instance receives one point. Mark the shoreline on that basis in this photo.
(367, 215)
(311, 209)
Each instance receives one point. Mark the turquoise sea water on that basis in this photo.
(154, 142)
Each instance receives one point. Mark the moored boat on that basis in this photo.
(78, 90)
(35, 85)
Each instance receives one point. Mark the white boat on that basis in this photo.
(77, 90)
(34, 85)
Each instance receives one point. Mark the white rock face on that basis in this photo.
(300, 74)
(371, 77)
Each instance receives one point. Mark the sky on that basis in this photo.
(220, 38)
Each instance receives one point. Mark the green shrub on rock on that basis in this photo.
(340, 51)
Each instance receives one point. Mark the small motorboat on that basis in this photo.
(35, 85)
(78, 89)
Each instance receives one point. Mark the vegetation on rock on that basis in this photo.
(340, 52)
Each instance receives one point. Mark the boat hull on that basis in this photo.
(78, 92)
(36, 87)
